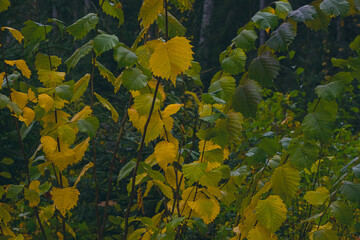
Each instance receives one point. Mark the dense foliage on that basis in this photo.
(261, 151)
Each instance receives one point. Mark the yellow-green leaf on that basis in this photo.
(4, 4)
(260, 233)
(317, 197)
(80, 87)
(65, 198)
(207, 209)
(42, 62)
(149, 11)
(15, 33)
(51, 78)
(271, 212)
(46, 102)
(171, 58)
(85, 168)
(165, 189)
(165, 153)
(21, 65)
(285, 181)
(106, 104)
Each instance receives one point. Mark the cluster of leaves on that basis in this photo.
(279, 177)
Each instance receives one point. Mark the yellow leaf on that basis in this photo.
(32, 194)
(31, 96)
(317, 197)
(85, 168)
(84, 113)
(171, 109)
(149, 11)
(171, 58)
(152, 83)
(207, 209)
(65, 198)
(260, 233)
(28, 116)
(42, 62)
(60, 236)
(49, 144)
(171, 177)
(165, 189)
(19, 237)
(107, 105)
(16, 34)
(165, 153)
(80, 87)
(49, 119)
(64, 158)
(51, 78)
(2, 75)
(46, 102)
(80, 149)
(21, 65)
(19, 98)
(271, 212)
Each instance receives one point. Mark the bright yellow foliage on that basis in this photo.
(16, 34)
(64, 158)
(171, 109)
(28, 116)
(207, 209)
(65, 198)
(84, 113)
(171, 58)
(46, 102)
(80, 149)
(21, 65)
(31, 96)
(260, 233)
(317, 197)
(85, 168)
(165, 153)
(2, 75)
(19, 98)
(51, 78)
(49, 144)
(149, 11)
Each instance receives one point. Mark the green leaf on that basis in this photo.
(105, 42)
(304, 13)
(321, 21)
(88, 126)
(106, 73)
(126, 170)
(223, 86)
(342, 212)
(113, 9)
(285, 181)
(4, 214)
(60, 24)
(235, 62)
(332, 90)
(264, 69)
(4, 101)
(34, 31)
(107, 104)
(324, 234)
(175, 28)
(194, 171)
(13, 190)
(282, 8)
(7, 161)
(65, 91)
(255, 156)
(302, 154)
(5, 174)
(246, 98)
(194, 73)
(133, 79)
(351, 191)
(318, 125)
(282, 37)
(335, 7)
(4, 4)
(355, 45)
(78, 54)
(356, 170)
(83, 26)
(264, 20)
(124, 56)
(246, 39)
(80, 87)
(271, 212)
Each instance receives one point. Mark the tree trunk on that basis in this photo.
(206, 18)
(262, 36)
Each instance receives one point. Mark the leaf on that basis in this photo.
(175, 28)
(321, 21)
(302, 154)
(222, 87)
(264, 20)
(21, 99)
(78, 54)
(133, 79)
(194, 171)
(83, 26)
(207, 209)
(88, 126)
(285, 181)
(165, 189)
(264, 69)
(46, 102)
(304, 13)
(42, 62)
(124, 56)
(12, 191)
(171, 58)
(335, 7)
(107, 104)
(317, 197)
(318, 125)
(80, 150)
(235, 62)
(246, 98)
(4, 214)
(282, 8)
(282, 37)
(65, 91)
(259, 233)
(51, 79)
(34, 31)
(105, 72)
(80, 87)
(149, 12)
(165, 153)
(114, 10)
(105, 42)
(271, 212)
(15, 33)
(331, 90)
(85, 168)
(356, 170)
(351, 191)
(342, 212)
(28, 116)
(246, 39)
(143, 102)
(126, 170)
(4, 4)
(21, 65)
(84, 113)
(65, 198)
(323, 234)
